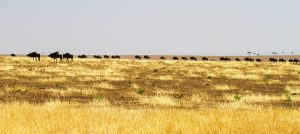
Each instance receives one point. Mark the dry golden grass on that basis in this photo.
(58, 117)
(159, 100)
(264, 98)
(293, 89)
(224, 87)
(144, 96)
(70, 91)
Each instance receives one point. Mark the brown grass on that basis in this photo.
(139, 96)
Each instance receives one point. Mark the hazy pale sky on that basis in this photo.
(194, 27)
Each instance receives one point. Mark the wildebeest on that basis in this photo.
(273, 60)
(205, 59)
(146, 57)
(193, 58)
(106, 57)
(175, 58)
(68, 56)
(249, 59)
(97, 56)
(137, 57)
(115, 57)
(162, 58)
(13, 55)
(282, 60)
(237, 59)
(225, 59)
(35, 56)
(294, 61)
(184, 58)
(258, 60)
(56, 55)
(82, 56)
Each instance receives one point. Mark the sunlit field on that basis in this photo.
(148, 96)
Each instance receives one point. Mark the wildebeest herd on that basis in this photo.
(69, 58)
(57, 55)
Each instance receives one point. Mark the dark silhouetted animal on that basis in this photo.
(82, 56)
(225, 59)
(68, 56)
(162, 58)
(249, 59)
(97, 56)
(222, 58)
(282, 60)
(35, 56)
(106, 57)
(193, 58)
(273, 60)
(56, 55)
(258, 60)
(13, 55)
(138, 57)
(205, 59)
(237, 59)
(184, 58)
(175, 58)
(146, 57)
(295, 61)
(115, 57)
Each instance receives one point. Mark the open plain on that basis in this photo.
(148, 96)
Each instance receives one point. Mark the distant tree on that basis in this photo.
(283, 52)
(249, 53)
(258, 54)
(292, 53)
(274, 53)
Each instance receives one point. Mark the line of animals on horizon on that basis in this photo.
(69, 58)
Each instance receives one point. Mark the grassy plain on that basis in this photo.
(148, 96)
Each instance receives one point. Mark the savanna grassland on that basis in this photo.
(148, 96)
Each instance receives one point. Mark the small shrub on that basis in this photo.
(155, 70)
(140, 91)
(288, 97)
(98, 98)
(238, 97)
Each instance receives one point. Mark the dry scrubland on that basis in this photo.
(130, 96)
